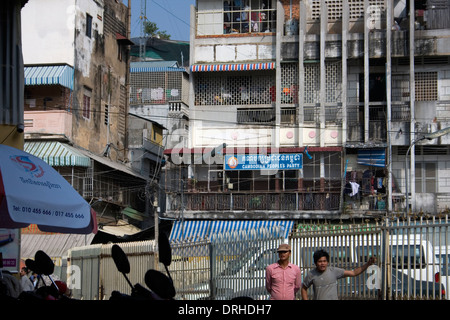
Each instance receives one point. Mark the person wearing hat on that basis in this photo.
(323, 278)
(283, 279)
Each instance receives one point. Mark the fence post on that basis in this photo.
(212, 265)
(386, 268)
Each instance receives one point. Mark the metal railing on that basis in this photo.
(295, 201)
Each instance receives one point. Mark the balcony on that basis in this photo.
(48, 123)
(255, 205)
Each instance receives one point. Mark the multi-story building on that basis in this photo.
(318, 103)
(76, 117)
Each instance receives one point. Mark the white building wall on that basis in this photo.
(48, 32)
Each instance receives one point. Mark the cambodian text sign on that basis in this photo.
(284, 161)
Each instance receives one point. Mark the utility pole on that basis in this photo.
(143, 40)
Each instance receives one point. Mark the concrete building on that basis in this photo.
(318, 104)
(76, 111)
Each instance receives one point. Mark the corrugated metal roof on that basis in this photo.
(57, 154)
(54, 245)
(115, 165)
(155, 66)
(42, 75)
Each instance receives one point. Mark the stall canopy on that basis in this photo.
(204, 229)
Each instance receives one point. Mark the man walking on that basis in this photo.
(283, 279)
(324, 278)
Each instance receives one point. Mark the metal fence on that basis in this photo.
(412, 261)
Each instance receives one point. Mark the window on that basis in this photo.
(426, 86)
(236, 16)
(87, 103)
(405, 256)
(426, 177)
(88, 25)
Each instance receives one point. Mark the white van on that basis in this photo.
(246, 276)
(442, 254)
(411, 263)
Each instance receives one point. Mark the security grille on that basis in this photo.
(289, 83)
(333, 82)
(235, 89)
(312, 83)
(426, 86)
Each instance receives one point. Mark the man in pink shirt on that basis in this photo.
(283, 279)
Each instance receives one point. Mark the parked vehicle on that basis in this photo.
(245, 276)
(442, 254)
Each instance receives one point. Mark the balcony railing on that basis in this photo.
(237, 201)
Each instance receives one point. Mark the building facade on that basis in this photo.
(76, 113)
(312, 109)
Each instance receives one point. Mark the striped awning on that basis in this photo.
(372, 157)
(57, 154)
(204, 229)
(48, 75)
(233, 67)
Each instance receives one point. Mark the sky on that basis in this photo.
(172, 16)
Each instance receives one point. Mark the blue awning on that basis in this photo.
(57, 154)
(204, 229)
(372, 157)
(48, 75)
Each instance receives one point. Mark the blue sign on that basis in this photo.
(284, 161)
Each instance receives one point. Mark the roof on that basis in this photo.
(114, 165)
(54, 245)
(160, 49)
(120, 229)
(155, 66)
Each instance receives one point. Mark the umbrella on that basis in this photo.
(32, 192)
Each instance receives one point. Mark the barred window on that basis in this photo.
(155, 87)
(233, 17)
(235, 88)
